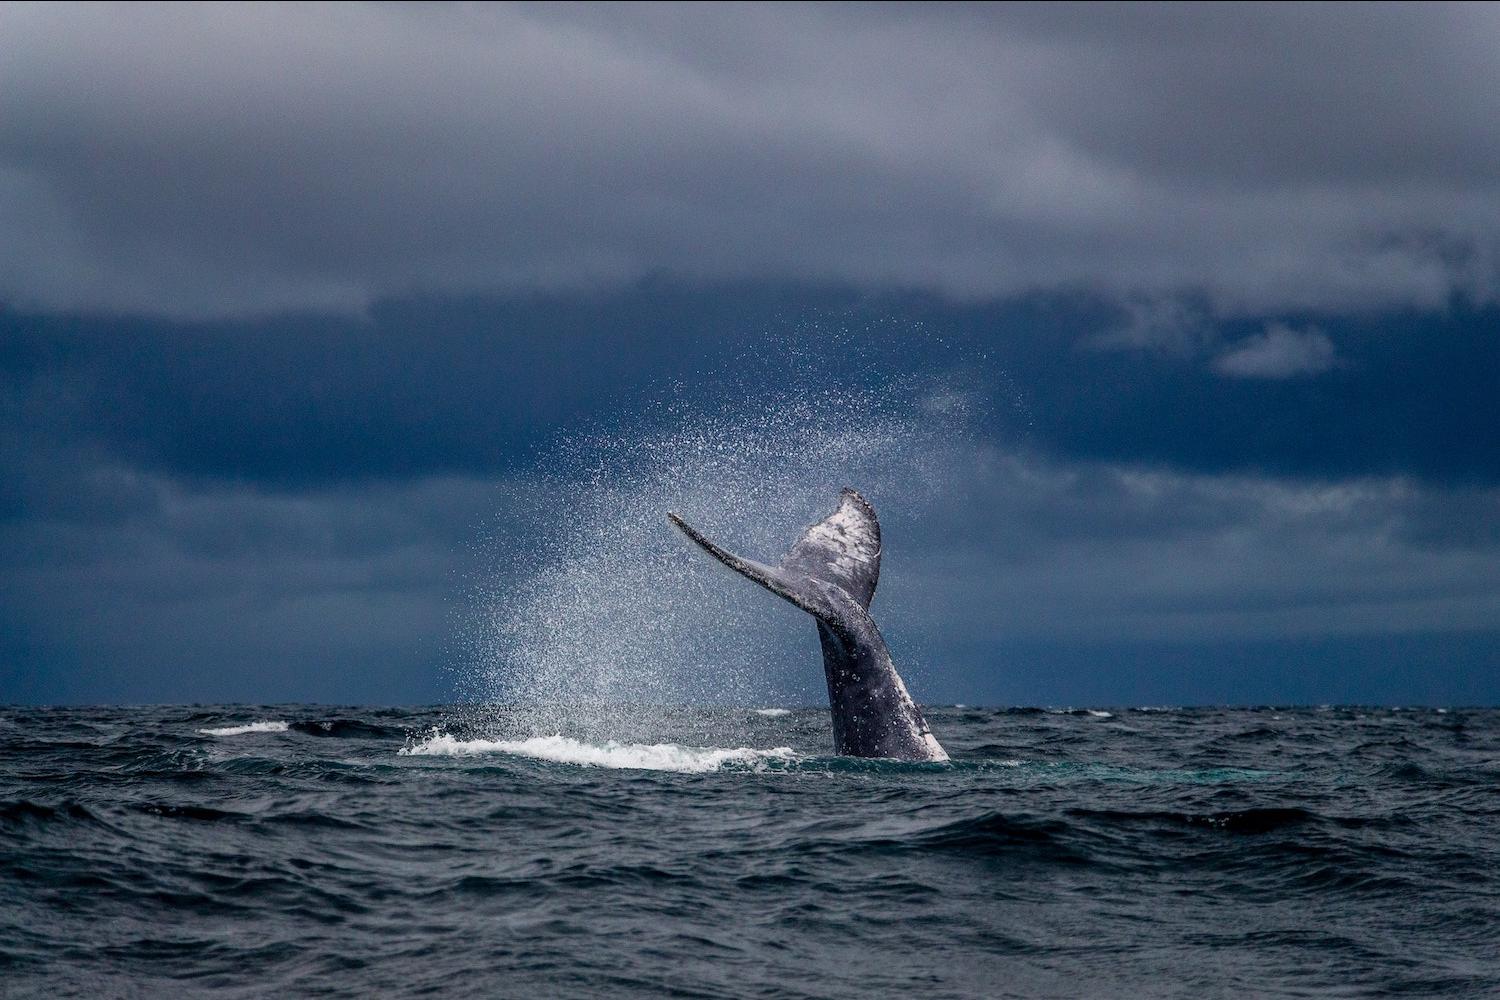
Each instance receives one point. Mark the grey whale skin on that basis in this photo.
(830, 572)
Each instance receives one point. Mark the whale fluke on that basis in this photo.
(842, 549)
(831, 572)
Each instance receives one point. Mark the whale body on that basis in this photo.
(830, 572)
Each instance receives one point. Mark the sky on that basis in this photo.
(1188, 318)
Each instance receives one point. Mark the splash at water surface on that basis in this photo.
(595, 603)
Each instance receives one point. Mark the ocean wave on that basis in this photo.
(170, 811)
(113, 817)
(772, 713)
(23, 811)
(1264, 819)
(253, 727)
(631, 756)
(349, 729)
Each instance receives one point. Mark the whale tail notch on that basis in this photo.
(843, 549)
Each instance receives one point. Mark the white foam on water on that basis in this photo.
(1101, 715)
(253, 727)
(631, 756)
(772, 713)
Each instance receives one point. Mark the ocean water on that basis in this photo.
(318, 851)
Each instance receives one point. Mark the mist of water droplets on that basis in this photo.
(600, 616)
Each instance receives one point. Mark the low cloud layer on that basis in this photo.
(1106, 553)
(221, 161)
(303, 511)
(227, 593)
(181, 594)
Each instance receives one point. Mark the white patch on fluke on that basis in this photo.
(253, 727)
(842, 549)
(635, 756)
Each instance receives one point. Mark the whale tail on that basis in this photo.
(843, 550)
(830, 572)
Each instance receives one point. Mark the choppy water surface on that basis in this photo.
(314, 851)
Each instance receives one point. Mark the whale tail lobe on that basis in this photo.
(842, 550)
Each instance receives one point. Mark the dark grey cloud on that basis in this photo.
(1217, 285)
(1025, 578)
(229, 593)
(1087, 551)
(213, 161)
(302, 509)
(476, 387)
(1104, 584)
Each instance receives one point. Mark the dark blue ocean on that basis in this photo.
(343, 851)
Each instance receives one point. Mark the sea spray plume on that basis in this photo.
(831, 572)
(595, 625)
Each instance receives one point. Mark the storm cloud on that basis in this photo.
(476, 387)
(299, 303)
(240, 160)
(1026, 579)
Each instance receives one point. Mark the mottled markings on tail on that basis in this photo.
(842, 549)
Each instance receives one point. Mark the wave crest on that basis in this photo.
(253, 727)
(633, 756)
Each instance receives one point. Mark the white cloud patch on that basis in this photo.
(230, 160)
(1279, 352)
